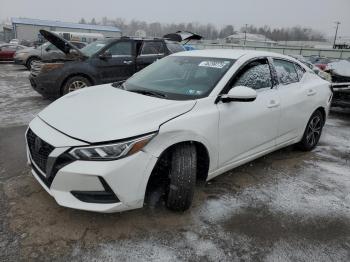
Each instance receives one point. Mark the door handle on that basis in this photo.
(273, 104)
(311, 92)
(127, 62)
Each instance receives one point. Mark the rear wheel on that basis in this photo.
(182, 176)
(312, 132)
(75, 83)
(31, 61)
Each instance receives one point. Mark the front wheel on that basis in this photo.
(312, 132)
(182, 176)
(31, 61)
(75, 83)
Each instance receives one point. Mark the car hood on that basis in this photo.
(105, 113)
(61, 43)
(180, 36)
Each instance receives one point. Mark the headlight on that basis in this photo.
(111, 151)
(50, 66)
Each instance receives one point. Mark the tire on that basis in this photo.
(30, 61)
(312, 132)
(182, 175)
(75, 83)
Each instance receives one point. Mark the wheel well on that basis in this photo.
(76, 74)
(159, 175)
(323, 112)
(31, 57)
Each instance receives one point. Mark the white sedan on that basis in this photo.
(188, 117)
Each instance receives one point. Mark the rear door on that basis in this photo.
(249, 128)
(294, 96)
(118, 62)
(150, 51)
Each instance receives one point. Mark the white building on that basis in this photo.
(28, 29)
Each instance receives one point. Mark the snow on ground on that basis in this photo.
(19, 102)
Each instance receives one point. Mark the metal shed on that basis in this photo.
(28, 29)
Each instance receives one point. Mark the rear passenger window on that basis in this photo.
(286, 72)
(152, 48)
(255, 75)
(300, 71)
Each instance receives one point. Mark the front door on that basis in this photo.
(117, 64)
(249, 128)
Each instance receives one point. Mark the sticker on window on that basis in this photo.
(214, 64)
(194, 92)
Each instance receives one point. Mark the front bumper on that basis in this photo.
(127, 178)
(19, 61)
(341, 97)
(47, 86)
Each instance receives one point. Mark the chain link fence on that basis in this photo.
(307, 52)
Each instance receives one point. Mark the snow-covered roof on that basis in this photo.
(29, 21)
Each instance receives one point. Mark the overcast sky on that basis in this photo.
(318, 14)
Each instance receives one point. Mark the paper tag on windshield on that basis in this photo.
(100, 45)
(214, 64)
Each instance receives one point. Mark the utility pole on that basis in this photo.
(336, 33)
(245, 33)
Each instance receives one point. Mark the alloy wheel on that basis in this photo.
(314, 130)
(76, 85)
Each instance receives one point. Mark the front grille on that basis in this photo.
(36, 68)
(39, 150)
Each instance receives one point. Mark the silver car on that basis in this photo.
(46, 51)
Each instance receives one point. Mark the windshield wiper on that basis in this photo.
(148, 93)
(119, 84)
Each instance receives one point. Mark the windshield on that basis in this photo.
(93, 48)
(44, 45)
(180, 77)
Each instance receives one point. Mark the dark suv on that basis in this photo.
(103, 61)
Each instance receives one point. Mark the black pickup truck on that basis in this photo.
(103, 61)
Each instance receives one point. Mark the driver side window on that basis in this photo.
(120, 49)
(256, 75)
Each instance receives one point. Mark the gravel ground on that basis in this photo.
(286, 206)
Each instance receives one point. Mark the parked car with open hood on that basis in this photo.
(46, 51)
(188, 117)
(103, 61)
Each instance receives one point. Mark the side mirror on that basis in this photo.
(106, 55)
(47, 49)
(240, 94)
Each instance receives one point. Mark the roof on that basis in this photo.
(231, 53)
(29, 21)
